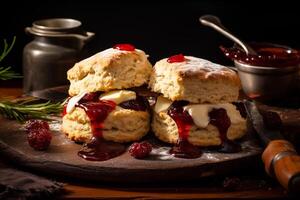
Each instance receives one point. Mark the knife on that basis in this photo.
(280, 157)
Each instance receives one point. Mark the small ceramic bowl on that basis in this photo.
(267, 83)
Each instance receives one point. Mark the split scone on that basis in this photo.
(196, 102)
(101, 103)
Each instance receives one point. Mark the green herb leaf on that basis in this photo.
(24, 109)
(7, 48)
(7, 73)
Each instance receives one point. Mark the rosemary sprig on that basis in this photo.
(7, 73)
(7, 48)
(24, 109)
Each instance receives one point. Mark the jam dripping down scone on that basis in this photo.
(195, 106)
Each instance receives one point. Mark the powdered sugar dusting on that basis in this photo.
(109, 53)
(194, 65)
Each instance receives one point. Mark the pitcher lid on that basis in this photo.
(55, 25)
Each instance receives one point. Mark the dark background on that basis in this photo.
(160, 28)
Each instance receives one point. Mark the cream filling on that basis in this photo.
(73, 101)
(162, 104)
(117, 96)
(200, 112)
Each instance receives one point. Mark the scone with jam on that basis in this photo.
(196, 105)
(101, 101)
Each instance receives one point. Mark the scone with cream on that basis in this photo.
(101, 103)
(196, 102)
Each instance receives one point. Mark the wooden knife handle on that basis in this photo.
(281, 160)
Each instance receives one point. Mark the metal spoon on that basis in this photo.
(215, 23)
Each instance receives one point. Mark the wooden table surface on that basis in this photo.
(253, 183)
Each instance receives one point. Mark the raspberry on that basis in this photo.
(140, 150)
(34, 124)
(124, 47)
(39, 139)
(176, 58)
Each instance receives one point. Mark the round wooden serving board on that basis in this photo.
(61, 159)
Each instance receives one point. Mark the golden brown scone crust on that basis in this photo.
(165, 129)
(195, 80)
(121, 125)
(109, 70)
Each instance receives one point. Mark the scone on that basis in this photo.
(125, 118)
(195, 80)
(101, 103)
(200, 131)
(111, 69)
(196, 102)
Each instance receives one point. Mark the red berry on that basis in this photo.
(124, 47)
(39, 139)
(176, 58)
(34, 124)
(140, 150)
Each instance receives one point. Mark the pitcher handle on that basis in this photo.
(87, 37)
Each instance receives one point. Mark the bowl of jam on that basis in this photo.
(269, 75)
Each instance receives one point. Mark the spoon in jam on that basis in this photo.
(215, 23)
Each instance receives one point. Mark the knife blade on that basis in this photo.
(266, 135)
(280, 157)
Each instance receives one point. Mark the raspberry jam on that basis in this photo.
(219, 118)
(64, 112)
(268, 55)
(183, 149)
(124, 47)
(176, 58)
(97, 110)
(97, 113)
(241, 108)
(182, 118)
(99, 150)
(138, 104)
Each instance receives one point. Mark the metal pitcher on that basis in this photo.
(57, 45)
